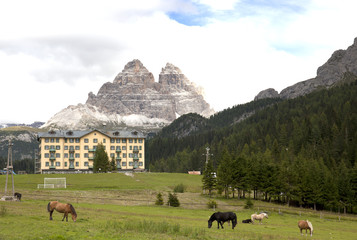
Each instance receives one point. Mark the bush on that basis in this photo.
(173, 200)
(248, 204)
(180, 188)
(159, 199)
(212, 204)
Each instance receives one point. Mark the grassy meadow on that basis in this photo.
(120, 206)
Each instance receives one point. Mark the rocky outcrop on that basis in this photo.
(134, 95)
(268, 93)
(341, 65)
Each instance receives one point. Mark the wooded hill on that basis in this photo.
(300, 151)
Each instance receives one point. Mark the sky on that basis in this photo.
(53, 53)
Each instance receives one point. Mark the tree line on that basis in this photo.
(301, 151)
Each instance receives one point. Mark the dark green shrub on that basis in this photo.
(212, 204)
(248, 204)
(159, 199)
(179, 188)
(173, 200)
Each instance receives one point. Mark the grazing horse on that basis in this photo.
(305, 225)
(258, 217)
(222, 217)
(62, 208)
(247, 221)
(18, 196)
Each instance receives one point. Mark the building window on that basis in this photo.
(86, 155)
(47, 155)
(86, 164)
(47, 164)
(77, 140)
(103, 140)
(123, 164)
(77, 164)
(124, 155)
(130, 163)
(65, 147)
(86, 140)
(130, 140)
(66, 155)
(140, 155)
(57, 140)
(130, 155)
(135, 140)
(47, 147)
(112, 147)
(65, 164)
(71, 140)
(58, 147)
(95, 140)
(112, 155)
(77, 147)
(124, 148)
(58, 164)
(65, 140)
(112, 140)
(58, 155)
(77, 155)
(123, 140)
(52, 140)
(118, 140)
(47, 140)
(141, 164)
(131, 147)
(86, 147)
(139, 147)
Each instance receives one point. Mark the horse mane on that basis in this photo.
(72, 209)
(310, 225)
(48, 207)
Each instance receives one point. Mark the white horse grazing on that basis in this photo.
(305, 225)
(259, 217)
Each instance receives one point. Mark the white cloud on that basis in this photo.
(53, 53)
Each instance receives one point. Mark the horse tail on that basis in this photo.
(72, 209)
(49, 207)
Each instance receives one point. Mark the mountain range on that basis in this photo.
(134, 99)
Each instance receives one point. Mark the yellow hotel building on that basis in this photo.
(73, 151)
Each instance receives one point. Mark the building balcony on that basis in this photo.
(52, 158)
(135, 150)
(71, 150)
(71, 158)
(71, 167)
(52, 150)
(52, 167)
(91, 158)
(136, 158)
(118, 158)
(118, 150)
(91, 150)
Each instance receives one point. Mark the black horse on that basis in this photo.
(247, 221)
(222, 217)
(18, 196)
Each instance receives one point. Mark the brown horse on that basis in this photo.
(305, 225)
(62, 208)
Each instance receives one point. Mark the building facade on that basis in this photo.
(74, 151)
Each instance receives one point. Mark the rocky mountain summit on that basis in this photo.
(341, 67)
(135, 99)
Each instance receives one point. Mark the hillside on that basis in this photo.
(313, 136)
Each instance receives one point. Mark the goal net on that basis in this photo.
(56, 182)
(45, 186)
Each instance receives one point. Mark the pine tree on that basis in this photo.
(209, 179)
(101, 162)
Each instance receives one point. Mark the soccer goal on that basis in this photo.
(57, 182)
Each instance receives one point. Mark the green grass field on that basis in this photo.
(117, 206)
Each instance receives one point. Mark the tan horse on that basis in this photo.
(305, 225)
(258, 217)
(62, 208)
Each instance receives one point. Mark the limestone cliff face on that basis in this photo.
(341, 65)
(135, 93)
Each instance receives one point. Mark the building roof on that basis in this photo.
(79, 134)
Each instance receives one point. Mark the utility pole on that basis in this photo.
(9, 169)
